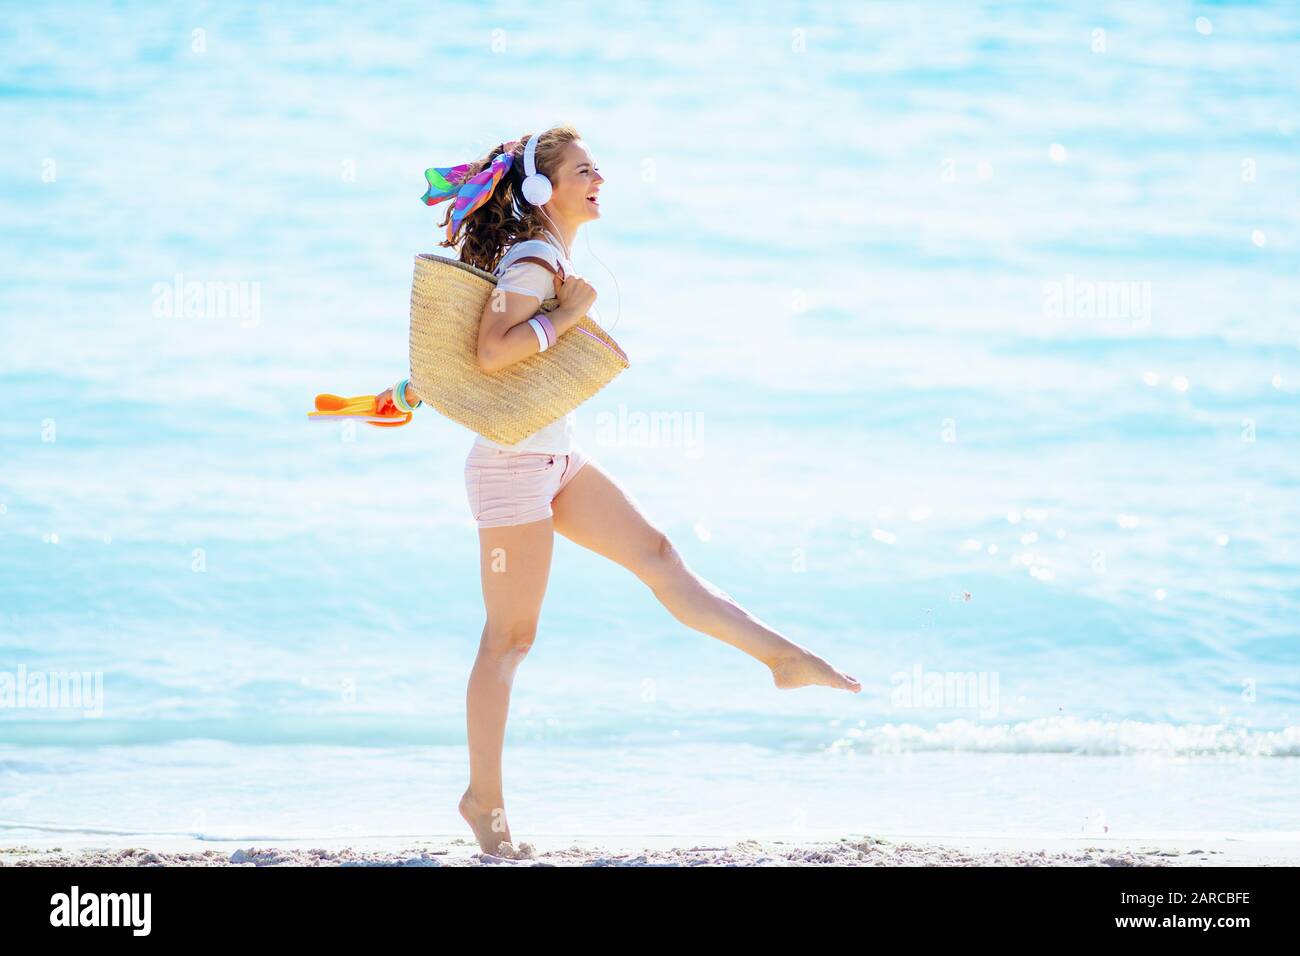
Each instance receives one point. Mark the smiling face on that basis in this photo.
(575, 185)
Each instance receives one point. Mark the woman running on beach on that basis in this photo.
(521, 494)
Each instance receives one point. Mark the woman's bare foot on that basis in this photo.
(488, 823)
(805, 668)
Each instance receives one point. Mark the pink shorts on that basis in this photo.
(516, 487)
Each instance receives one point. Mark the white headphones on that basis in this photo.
(537, 188)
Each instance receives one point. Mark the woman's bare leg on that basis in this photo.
(514, 563)
(595, 512)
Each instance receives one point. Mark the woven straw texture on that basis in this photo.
(447, 301)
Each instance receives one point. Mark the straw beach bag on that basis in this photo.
(447, 301)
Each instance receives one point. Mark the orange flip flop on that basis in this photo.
(361, 408)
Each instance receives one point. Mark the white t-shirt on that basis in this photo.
(528, 278)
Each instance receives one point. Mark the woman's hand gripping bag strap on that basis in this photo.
(448, 298)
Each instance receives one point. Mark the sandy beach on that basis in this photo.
(852, 850)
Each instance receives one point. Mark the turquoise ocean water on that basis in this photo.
(971, 339)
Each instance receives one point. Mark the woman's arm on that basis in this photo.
(384, 404)
(504, 335)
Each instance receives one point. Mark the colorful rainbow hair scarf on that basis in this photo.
(468, 192)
